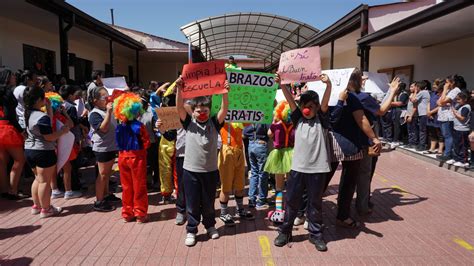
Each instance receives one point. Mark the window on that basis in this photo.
(82, 70)
(41, 60)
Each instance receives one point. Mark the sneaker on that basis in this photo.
(103, 206)
(45, 213)
(452, 161)
(282, 239)
(262, 206)
(318, 243)
(112, 198)
(72, 195)
(168, 200)
(227, 219)
(180, 219)
(143, 219)
(252, 204)
(459, 164)
(299, 221)
(243, 214)
(212, 232)
(190, 239)
(35, 210)
(55, 194)
(306, 225)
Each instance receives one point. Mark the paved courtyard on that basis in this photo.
(423, 215)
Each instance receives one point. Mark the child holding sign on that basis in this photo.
(279, 159)
(310, 163)
(132, 141)
(200, 172)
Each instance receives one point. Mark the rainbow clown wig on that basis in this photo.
(282, 112)
(128, 107)
(55, 99)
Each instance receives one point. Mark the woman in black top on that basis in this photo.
(11, 138)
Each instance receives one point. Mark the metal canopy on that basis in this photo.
(257, 35)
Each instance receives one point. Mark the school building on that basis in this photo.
(56, 38)
(423, 39)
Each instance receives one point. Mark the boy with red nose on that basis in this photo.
(200, 172)
(310, 164)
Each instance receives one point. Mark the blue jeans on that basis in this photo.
(447, 131)
(258, 189)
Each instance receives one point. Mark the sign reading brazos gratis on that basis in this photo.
(202, 79)
(251, 97)
(300, 65)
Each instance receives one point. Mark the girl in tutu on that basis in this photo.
(11, 138)
(279, 159)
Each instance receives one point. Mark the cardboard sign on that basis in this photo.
(202, 79)
(169, 116)
(339, 80)
(251, 97)
(377, 83)
(300, 65)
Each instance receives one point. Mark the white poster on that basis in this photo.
(339, 80)
(377, 83)
(115, 83)
(65, 143)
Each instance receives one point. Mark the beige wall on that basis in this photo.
(437, 61)
(15, 33)
(41, 30)
(456, 57)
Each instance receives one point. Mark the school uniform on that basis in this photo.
(461, 134)
(103, 144)
(200, 171)
(38, 151)
(310, 165)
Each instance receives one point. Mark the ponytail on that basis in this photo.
(30, 96)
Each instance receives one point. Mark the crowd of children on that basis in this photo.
(310, 139)
(432, 118)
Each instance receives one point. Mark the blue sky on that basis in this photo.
(165, 17)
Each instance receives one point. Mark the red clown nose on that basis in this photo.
(306, 111)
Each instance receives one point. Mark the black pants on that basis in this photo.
(387, 126)
(181, 199)
(347, 186)
(295, 187)
(152, 161)
(423, 134)
(399, 131)
(304, 204)
(461, 145)
(200, 191)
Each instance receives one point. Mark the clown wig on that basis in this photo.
(282, 112)
(55, 99)
(128, 107)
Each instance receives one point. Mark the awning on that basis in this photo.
(444, 22)
(256, 35)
